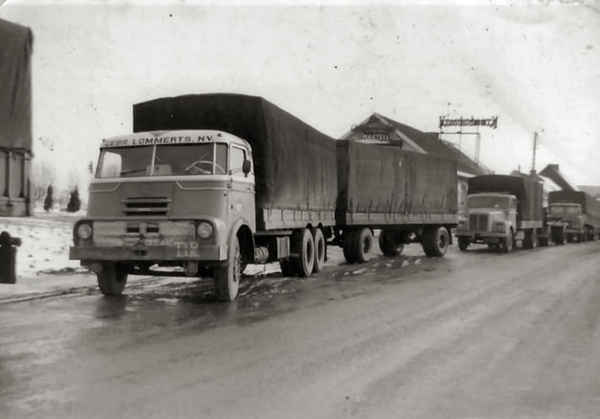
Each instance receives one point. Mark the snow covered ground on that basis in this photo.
(45, 238)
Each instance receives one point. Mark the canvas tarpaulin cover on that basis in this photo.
(295, 165)
(384, 179)
(527, 189)
(16, 43)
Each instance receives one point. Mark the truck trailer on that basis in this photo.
(213, 182)
(411, 197)
(502, 210)
(578, 210)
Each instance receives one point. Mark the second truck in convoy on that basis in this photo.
(504, 209)
(213, 182)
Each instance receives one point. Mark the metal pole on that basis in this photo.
(535, 137)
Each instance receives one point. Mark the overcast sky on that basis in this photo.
(535, 66)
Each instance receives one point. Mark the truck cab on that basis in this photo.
(571, 214)
(491, 218)
(170, 198)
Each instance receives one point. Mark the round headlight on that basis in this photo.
(204, 230)
(84, 231)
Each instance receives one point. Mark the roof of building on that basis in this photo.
(422, 142)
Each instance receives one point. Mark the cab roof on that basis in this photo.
(171, 138)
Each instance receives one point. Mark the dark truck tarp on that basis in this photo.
(295, 165)
(527, 188)
(16, 43)
(589, 205)
(388, 184)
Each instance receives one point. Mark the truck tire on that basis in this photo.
(426, 240)
(348, 246)
(227, 278)
(507, 243)
(543, 241)
(463, 243)
(364, 245)
(320, 250)
(439, 240)
(111, 279)
(530, 241)
(389, 243)
(304, 245)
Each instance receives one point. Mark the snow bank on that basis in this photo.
(46, 238)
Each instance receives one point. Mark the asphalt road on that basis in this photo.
(472, 335)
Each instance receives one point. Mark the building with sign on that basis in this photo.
(377, 129)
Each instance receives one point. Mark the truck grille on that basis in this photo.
(478, 222)
(137, 207)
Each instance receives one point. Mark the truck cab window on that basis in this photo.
(124, 162)
(238, 155)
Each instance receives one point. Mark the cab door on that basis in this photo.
(241, 189)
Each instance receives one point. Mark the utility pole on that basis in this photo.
(535, 146)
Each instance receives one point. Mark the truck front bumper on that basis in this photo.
(482, 236)
(148, 253)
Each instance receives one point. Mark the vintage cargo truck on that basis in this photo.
(412, 197)
(504, 209)
(209, 182)
(578, 210)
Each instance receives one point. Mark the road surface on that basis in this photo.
(476, 334)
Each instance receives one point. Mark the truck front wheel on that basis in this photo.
(463, 243)
(112, 279)
(227, 278)
(507, 243)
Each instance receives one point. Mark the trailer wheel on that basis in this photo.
(364, 245)
(227, 278)
(112, 279)
(305, 246)
(438, 242)
(320, 250)
(349, 248)
(463, 242)
(389, 243)
(543, 241)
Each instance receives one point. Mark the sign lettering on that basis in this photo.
(142, 141)
(469, 122)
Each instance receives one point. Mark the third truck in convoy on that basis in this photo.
(212, 182)
(578, 211)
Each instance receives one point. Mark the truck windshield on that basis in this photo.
(560, 210)
(163, 160)
(489, 202)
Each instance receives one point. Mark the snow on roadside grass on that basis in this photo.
(45, 241)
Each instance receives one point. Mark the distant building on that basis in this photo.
(16, 43)
(378, 129)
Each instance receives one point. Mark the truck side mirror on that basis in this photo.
(246, 166)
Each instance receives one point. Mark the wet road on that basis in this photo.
(475, 334)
